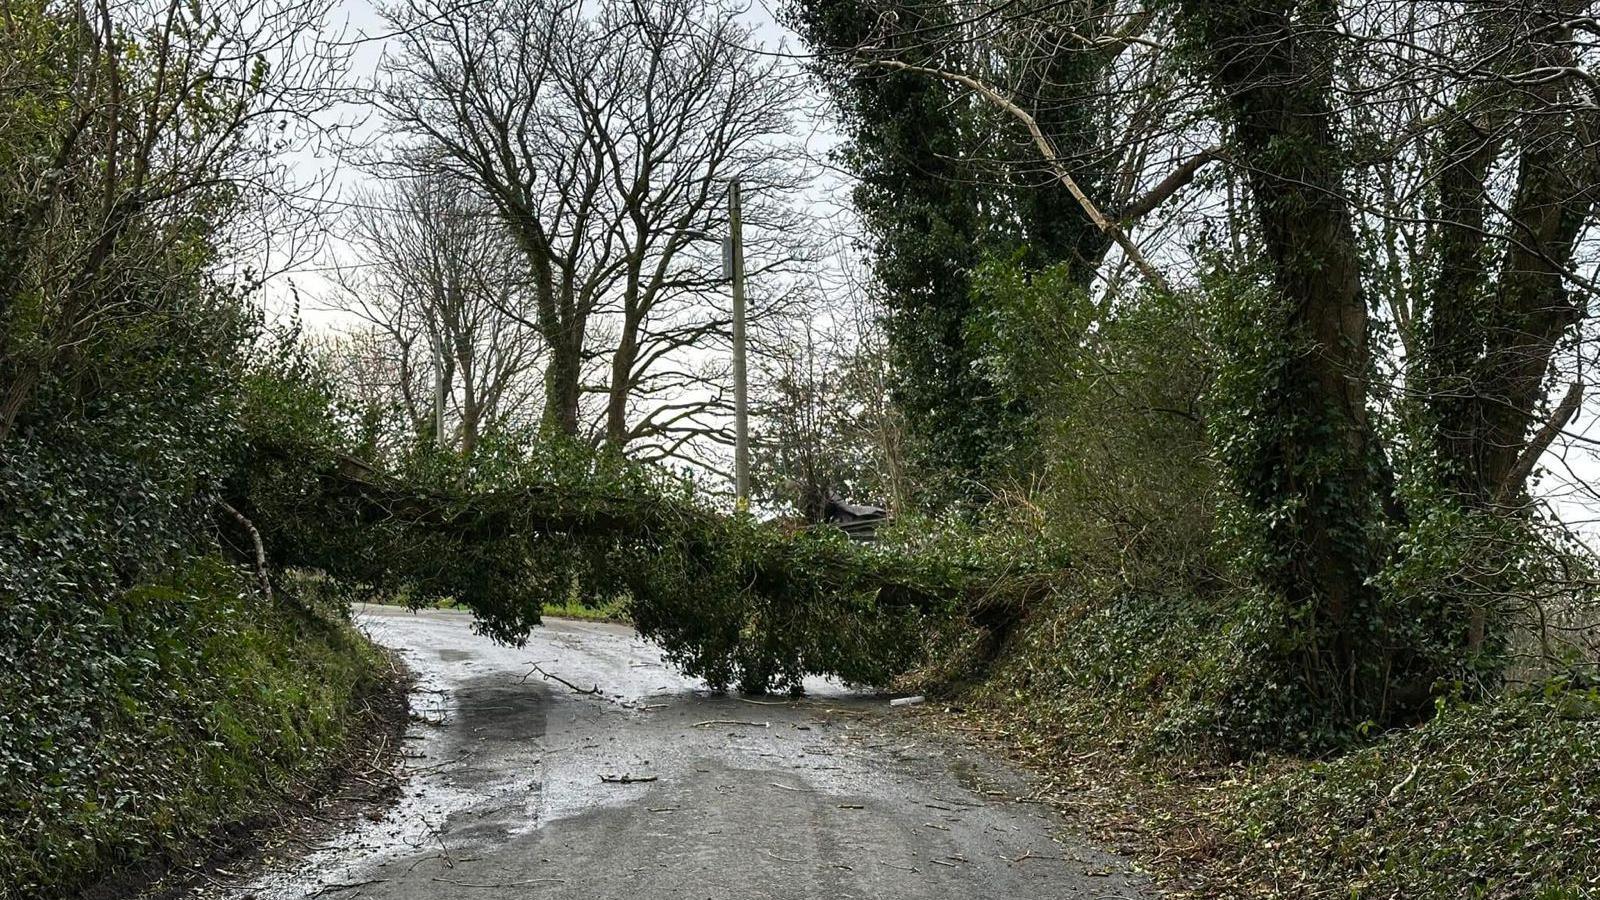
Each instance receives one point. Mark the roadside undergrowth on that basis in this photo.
(615, 610)
(140, 731)
(1106, 706)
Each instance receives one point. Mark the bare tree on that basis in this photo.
(826, 426)
(605, 137)
(437, 278)
(367, 372)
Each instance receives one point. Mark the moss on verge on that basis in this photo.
(132, 729)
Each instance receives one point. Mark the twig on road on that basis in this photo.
(780, 858)
(541, 670)
(710, 722)
(439, 836)
(1027, 855)
(334, 888)
(439, 765)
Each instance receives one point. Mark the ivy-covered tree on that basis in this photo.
(1484, 300)
(1293, 427)
(938, 197)
(1398, 277)
(909, 141)
(946, 181)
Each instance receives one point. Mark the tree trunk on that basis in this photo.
(1322, 452)
(621, 388)
(1492, 333)
(560, 322)
(13, 398)
(562, 384)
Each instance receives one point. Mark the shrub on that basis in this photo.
(1491, 800)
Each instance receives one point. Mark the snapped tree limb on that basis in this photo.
(263, 577)
(1046, 150)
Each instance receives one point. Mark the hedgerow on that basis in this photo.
(148, 693)
(1491, 800)
(136, 728)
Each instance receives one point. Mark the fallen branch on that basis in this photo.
(710, 722)
(263, 578)
(627, 779)
(575, 689)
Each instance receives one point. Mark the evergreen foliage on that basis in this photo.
(935, 203)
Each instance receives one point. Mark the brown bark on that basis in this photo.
(622, 363)
(558, 320)
(1492, 332)
(562, 381)
(1274, 78)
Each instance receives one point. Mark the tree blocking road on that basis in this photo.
(521, 786)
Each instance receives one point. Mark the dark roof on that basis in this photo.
(842, 513)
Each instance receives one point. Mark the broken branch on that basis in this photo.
(1051, 158)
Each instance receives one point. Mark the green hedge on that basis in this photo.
(131, 728)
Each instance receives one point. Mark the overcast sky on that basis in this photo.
(333, 179)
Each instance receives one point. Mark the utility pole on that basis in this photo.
(438, 398)
(741, 422)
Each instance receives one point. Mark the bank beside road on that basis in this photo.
(144, 736)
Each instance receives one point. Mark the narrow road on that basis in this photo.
(653, 788)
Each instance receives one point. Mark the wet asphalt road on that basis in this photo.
(711, 797)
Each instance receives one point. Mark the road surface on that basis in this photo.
(644, 786)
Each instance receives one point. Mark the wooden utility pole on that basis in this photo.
(741, 422)
(438, 399)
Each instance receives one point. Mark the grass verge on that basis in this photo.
(613, 611)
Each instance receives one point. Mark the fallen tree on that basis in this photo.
(730, 599)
